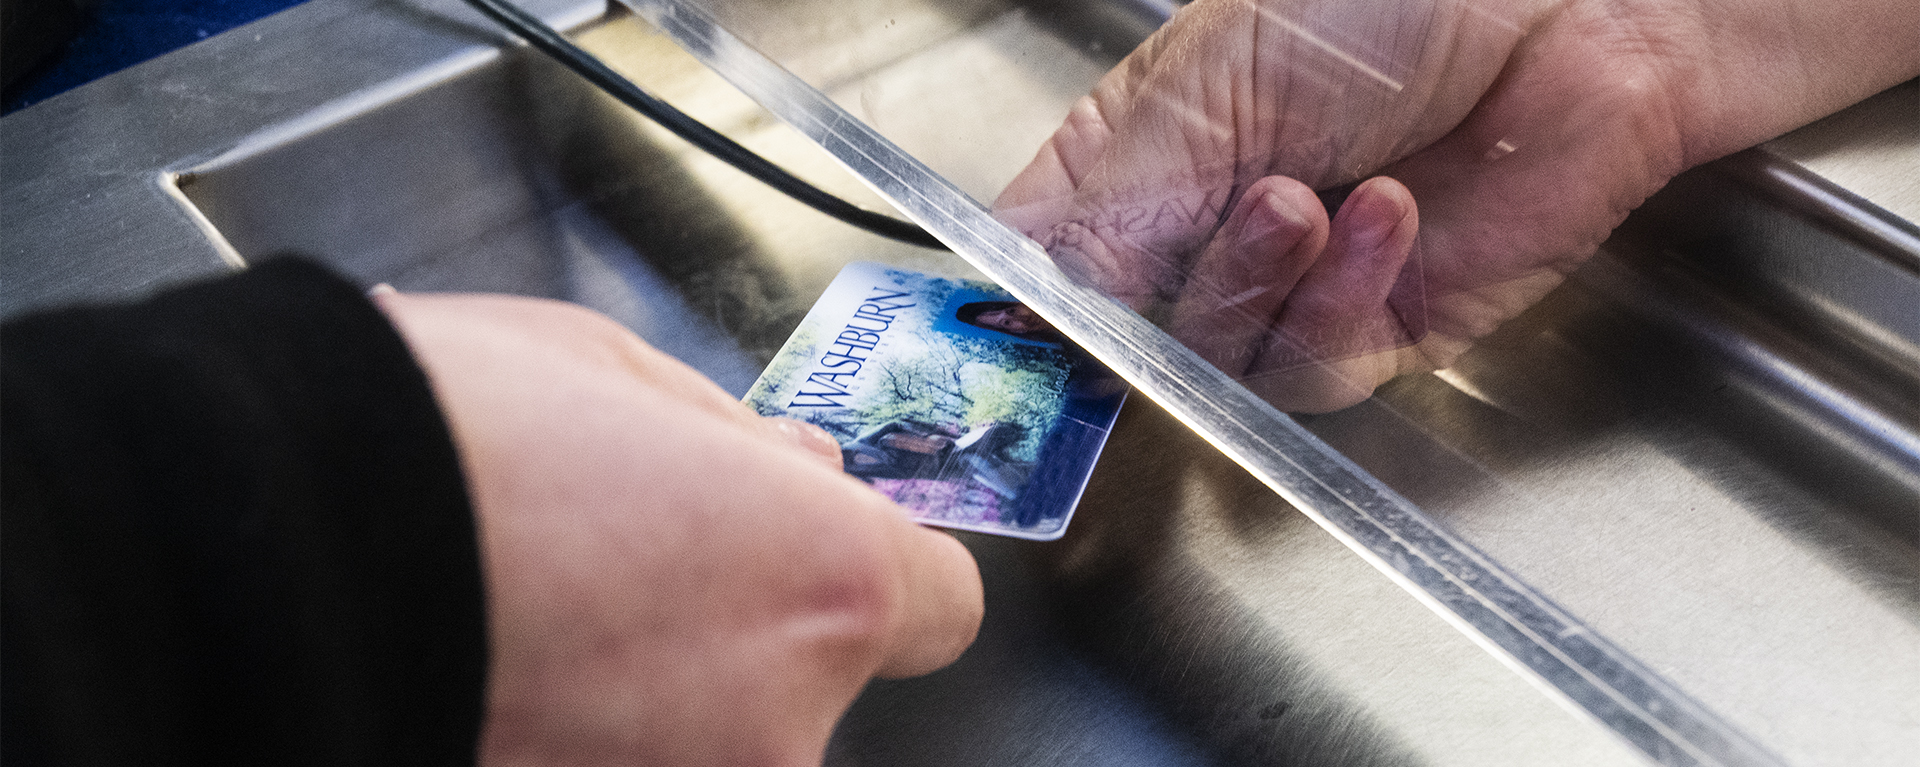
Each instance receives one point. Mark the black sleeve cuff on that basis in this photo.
(236, 531)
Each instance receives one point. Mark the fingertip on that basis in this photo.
(1338, 322)
(384, 297)
(1379, 220)
(1282, 224)
(1274, 234)
(808, 437)
(1288, 197)
(945, 603)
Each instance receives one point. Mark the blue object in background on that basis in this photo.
(122, 33)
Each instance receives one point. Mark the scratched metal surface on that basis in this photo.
(1694, 447)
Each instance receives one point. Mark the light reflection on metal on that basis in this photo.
(1505, 615)
(1895, 238)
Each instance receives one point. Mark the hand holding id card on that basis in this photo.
(949, 397)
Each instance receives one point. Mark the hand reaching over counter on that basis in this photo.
(672, 579)
(1486, 148)
(259, 520)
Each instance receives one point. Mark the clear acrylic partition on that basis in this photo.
(1721, 499)
(1678, 491)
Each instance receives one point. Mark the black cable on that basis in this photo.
(550, 42)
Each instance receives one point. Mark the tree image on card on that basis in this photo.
(948, 396)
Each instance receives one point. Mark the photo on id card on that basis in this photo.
(949, 397)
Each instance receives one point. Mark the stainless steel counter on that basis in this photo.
(1704, 446)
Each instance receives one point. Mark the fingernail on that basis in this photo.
(1269, 215)
(1379, 216)
(382, 289)
(807, 437)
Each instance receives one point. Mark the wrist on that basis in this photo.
(1739, 72)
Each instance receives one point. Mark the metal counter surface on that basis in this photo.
(1696, 446)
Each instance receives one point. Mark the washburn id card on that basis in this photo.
(949, 397)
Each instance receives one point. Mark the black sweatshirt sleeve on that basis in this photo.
(235, 532)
